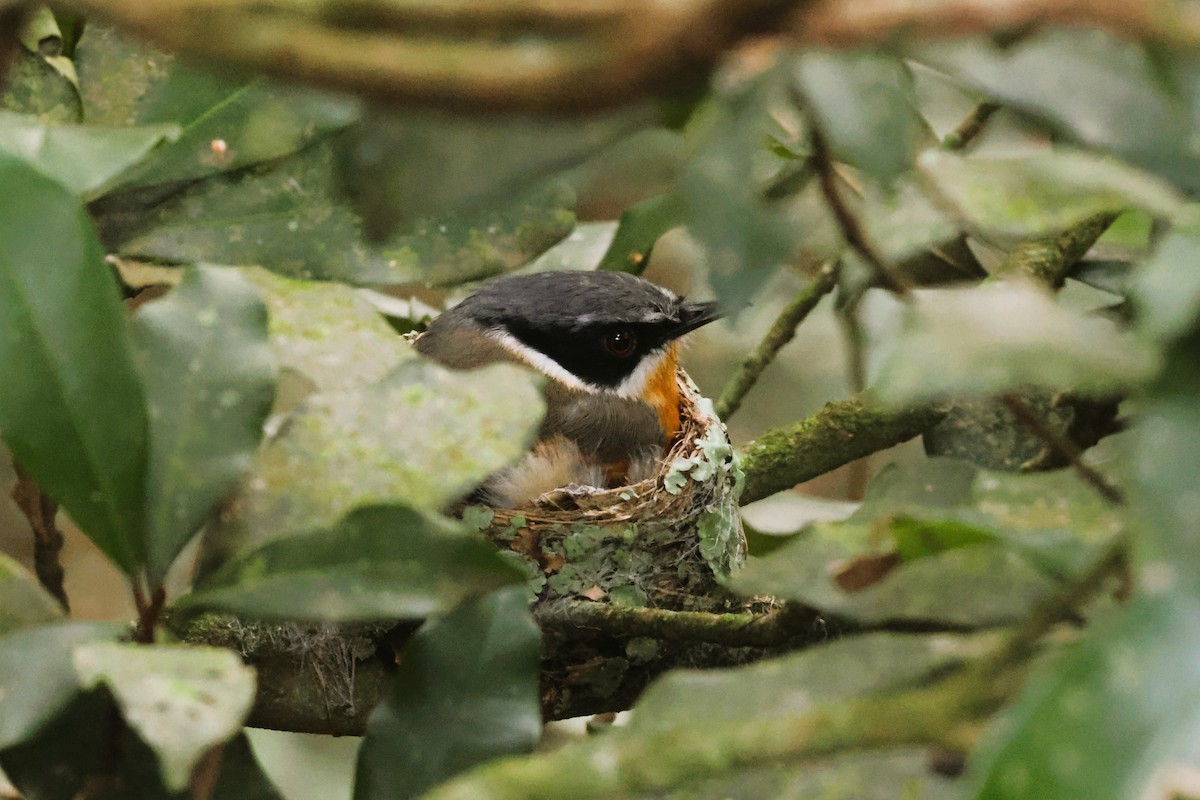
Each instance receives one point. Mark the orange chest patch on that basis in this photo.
(662, 392)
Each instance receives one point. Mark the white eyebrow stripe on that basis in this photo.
(539, 361)
(631, 388)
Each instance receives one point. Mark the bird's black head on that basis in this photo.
(598, 327)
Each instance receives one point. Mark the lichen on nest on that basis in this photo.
(664, 542)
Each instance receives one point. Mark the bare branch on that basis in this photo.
(40, 510)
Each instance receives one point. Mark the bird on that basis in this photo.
(608, 343)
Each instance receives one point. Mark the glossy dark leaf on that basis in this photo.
(380, 562)
(227, 126)
(466, 692)
(72, 409)
(209, 375)
(401, 168)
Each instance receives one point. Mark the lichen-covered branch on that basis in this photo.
(782, 331)
(839, 433)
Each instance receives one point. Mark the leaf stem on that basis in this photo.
(40, 510)
(149, 611)
(782, 331)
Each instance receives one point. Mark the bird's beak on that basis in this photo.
(694, 315)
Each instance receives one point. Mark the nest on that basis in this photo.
(664, 542)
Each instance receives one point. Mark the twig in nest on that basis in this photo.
(40, 510)
(782, 331)
(1064, 446)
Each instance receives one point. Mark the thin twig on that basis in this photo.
(40, 510)
(970, 128)
(856, 370)
(851, 228)
(1064, 446)
(782, 331)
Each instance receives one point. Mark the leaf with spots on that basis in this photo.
(1002, 336)
(380, 562)
(37, 679)
(1010, 198)
(466, 692)
(209, 375)
(180, 700)
(964, 545)
(227, 126)
(1117, 717)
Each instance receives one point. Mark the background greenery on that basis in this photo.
(216, 217)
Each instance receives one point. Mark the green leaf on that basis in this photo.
(181, 700)
(999, 337)
(37, 678)
(861, 104)
(228, 126)
(1167, 287)
(1117, 717)
(796, 683)
(209, 375)
(286, 217)
(401, 168)
(72, 409)
(1040, 192)
(466, 692)
(746, 234)
(84, 159)
(380, 562)
(640, 227)
(1107, 92)
(63, 760)
(424, 435)
(1000, 542)
(23, 602)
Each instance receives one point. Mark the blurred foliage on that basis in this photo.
(267, 403)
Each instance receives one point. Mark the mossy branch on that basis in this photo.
(839, 433)
(1049, 259)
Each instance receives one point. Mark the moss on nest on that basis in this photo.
(664, 542)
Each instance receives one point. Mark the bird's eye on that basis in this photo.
(620, 343)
